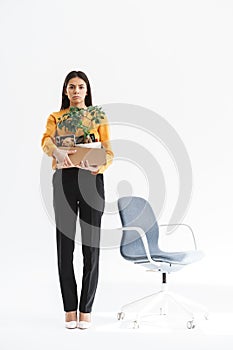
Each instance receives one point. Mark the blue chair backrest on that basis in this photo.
(136, 211)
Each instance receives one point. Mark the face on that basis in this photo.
(76, 91)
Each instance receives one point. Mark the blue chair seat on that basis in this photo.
(181, 258)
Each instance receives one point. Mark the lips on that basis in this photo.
(76, 96)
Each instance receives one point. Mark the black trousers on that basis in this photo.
(76, 190)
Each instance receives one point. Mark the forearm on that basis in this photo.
(47, 143)
(104, 133)
(49, 147)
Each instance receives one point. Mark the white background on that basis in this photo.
(172, 57)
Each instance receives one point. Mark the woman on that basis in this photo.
(77, 188)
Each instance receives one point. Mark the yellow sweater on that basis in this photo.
(101, 132)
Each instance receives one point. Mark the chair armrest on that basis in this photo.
(190, 229)
(142, 234)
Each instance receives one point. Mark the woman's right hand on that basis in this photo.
(63, 160)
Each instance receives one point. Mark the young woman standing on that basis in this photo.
(77, 189)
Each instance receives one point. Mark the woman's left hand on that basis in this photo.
(85, 165)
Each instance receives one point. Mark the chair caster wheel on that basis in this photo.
(120, 315)
(135, 325)
(190, 324)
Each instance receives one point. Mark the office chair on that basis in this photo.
(139, 244)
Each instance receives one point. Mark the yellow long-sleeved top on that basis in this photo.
(101, 132)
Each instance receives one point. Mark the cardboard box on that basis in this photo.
(95, 156)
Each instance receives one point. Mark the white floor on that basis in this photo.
(42, 333)
(34, 326)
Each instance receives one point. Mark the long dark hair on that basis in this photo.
(65, 101)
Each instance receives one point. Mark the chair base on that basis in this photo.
(161, 300)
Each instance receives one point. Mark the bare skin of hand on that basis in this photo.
(85, 165)
(65, 162)
(63, 158)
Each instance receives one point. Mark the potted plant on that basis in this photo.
(74, 119)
